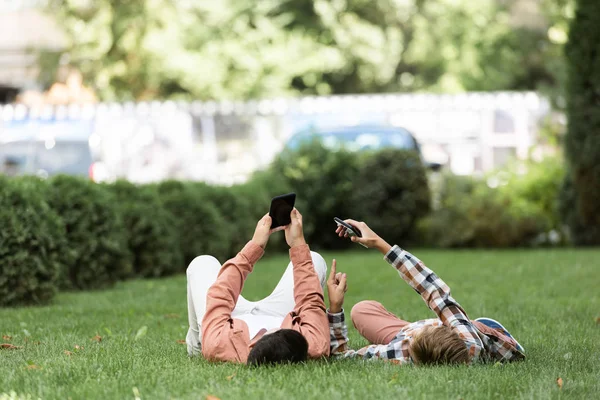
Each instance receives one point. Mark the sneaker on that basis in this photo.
(492, 323)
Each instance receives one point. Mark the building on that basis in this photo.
(225, 142)
(24, 31)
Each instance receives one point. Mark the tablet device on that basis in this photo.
(281, 208)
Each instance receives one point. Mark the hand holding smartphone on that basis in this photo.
(281, 208)
(350, 229)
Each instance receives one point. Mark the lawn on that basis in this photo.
(549, 299)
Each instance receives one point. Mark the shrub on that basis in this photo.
(323, 180)
(240, 206)
(472, 214)
(31, 239)
(391, 193)
(151, 230)
(200, 227)
(581, 190)
(97, 253)
(538, 183)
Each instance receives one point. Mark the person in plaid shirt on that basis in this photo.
(450, 338)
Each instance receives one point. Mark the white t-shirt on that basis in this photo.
(257, 322)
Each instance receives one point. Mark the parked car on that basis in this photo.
(47, 157)
(363, 137)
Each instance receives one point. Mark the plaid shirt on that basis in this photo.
(436, 295)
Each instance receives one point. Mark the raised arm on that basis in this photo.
(223, 294)
(424, 281)
(436, 295)
(308, 317)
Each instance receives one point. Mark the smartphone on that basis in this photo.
(350, 229)
(281, 208)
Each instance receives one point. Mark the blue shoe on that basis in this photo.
(492, 323)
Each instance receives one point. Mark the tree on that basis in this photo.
(581, 190)
(241, 49)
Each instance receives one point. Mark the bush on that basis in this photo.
(473, 215)
(324, 183)
(97, 254)
(240, 206)
(201, 229)
(391, 193)
(151, 230)
(538, 183)
(581, 196)
(31, 239)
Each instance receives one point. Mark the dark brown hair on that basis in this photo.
(283, 346)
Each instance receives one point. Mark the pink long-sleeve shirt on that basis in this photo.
(225, 338)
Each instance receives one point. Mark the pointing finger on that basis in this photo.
(333, 271)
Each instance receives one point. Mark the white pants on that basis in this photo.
(267, 313)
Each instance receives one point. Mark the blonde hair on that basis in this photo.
(438, 345)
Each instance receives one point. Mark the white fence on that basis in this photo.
(226, 141)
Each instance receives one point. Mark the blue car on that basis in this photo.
(361, 137)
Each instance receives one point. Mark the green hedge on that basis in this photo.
(471, 214)
(151, 230)
(239, 207)
(97, 254)
(324, 182)
(391, 193)
(32, 239)
(75, 234)
(200, 227)
(538, 183)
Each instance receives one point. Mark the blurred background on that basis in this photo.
(129, 129)
(202, 90)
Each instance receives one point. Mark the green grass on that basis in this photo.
(549, 299)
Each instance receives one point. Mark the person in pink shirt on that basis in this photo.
(288, 326)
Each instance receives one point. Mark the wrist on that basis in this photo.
(298, 242)
(335, 308)
(261, 243)
(382, 246)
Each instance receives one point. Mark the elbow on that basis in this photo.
(210, 349)
(318, 350)
(209, 354)
(216, 353)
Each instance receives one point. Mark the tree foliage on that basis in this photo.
(241, 49)
(581, 191)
